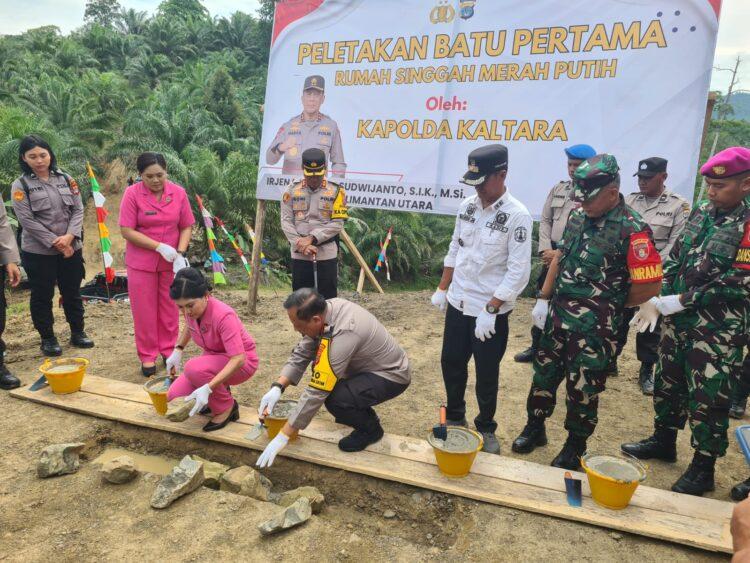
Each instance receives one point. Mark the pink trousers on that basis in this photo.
(199, 371)
(156, 318)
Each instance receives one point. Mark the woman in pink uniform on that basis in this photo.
(229, 356)
(156, 221)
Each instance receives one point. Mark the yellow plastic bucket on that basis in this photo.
(64, 375)
(455, 456)
(612, 479)
(276, 420)
(157, 390)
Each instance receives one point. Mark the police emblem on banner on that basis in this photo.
(466, 9)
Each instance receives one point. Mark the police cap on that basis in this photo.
(314, 82)
(313, 162)
(650, 167)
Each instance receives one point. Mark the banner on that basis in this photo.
(398, 92)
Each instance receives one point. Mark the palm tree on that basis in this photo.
(131, 22)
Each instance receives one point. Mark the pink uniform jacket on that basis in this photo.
(160, 220)
(220, 331)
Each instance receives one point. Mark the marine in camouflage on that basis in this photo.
(702, 346)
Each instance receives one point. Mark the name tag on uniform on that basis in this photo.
(150, 213)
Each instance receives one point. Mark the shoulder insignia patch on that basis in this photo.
(18, 195)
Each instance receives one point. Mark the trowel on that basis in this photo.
(440, 431)
(38, 384)
(573, 489)
(255, 430)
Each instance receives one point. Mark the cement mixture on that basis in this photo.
(63, 368)
(610, 466)
(283, 409)
(459, 440)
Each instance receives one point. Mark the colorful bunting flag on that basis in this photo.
(382, 258)
(236, 246)
(101, 214)
(217, 262)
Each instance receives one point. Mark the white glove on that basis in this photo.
(669, 305)
(647, 316)
(179, 263)
(439, 298)
(201, 398)
(539, 313)
(174, 362)
(272, 449)
(167, 252)
(269, 401)
(485, 325)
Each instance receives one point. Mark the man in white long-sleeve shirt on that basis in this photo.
(486, 268)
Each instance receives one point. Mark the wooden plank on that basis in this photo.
(413, 449)
(695, 529)
(361, 281)
(361, 261)
(252, 288)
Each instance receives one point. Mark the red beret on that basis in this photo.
(727, 163)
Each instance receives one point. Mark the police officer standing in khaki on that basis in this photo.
(555, 215)
(666, 213)
(310, 129)
(356, 364)
(8, 266)
(48, 206)
(313, 212)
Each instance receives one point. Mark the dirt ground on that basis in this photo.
(77, 517)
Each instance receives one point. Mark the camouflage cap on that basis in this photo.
(594, 174)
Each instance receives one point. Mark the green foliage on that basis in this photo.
(102, 12)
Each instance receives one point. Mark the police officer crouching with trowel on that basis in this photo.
(313, 212)
(356, 364)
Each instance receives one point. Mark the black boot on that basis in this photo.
(532, 435)
(698, 477)
(8, 381)
(359, 439)
(570, 455)
(662, 445)
(612, 370)
(738, 406)
(646, 378)
(81, 340)
(526, 356)
(740, 490)
(50, 347)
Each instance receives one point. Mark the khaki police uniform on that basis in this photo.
(356, 364)
(666, 215)
(47, 209)
(321, 214)
(8, 254)
(322, 132)
(555, 213)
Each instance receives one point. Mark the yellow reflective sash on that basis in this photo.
(323, 377)
(340, 210)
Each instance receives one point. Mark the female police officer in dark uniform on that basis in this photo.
(49, 209)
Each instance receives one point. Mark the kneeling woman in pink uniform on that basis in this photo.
(229, 356)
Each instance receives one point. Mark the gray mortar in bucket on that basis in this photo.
(459, 441)
(158, 385)
(282, 409)
(618, 468)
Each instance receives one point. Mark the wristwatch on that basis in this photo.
(491, 309)
(279, 385)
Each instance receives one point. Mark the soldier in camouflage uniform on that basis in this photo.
(608, 261)
(705, 303)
